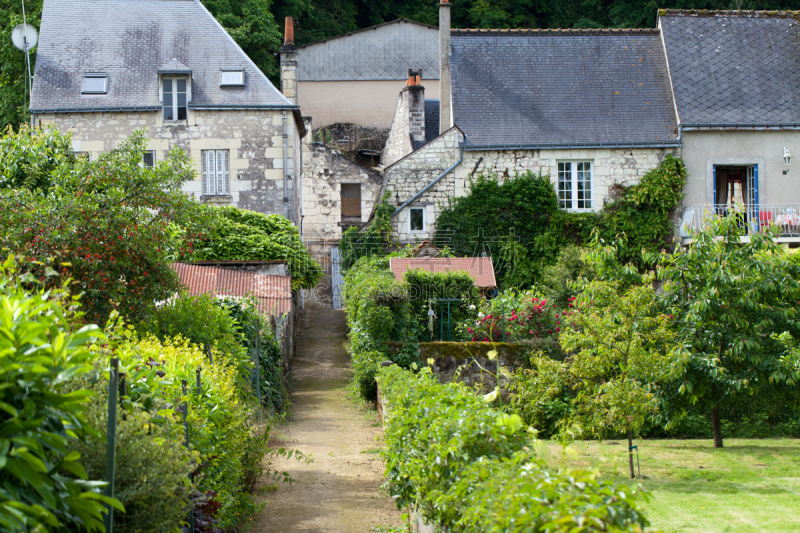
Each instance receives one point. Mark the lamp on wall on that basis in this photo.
(787, 157)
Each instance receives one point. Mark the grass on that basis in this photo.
(747, 486)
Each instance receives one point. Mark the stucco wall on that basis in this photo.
(254, 138)
(411, 174)
(366, 103)
(704, 149)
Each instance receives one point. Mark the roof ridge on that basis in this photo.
(558, 31)
(743, 13)
(362, 30)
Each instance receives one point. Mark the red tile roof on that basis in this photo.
(274, 293)
(479, 268)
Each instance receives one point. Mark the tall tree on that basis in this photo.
(13, 82)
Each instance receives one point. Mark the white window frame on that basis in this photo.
(216, 172)
(98, 76)
(567, 189)
(174, 93)
(151, 152)
(223, 83)
(424, 219)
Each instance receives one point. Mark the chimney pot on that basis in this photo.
(289, 31)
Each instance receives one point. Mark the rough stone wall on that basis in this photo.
(408, 125)
(623, 166)
(254, 138)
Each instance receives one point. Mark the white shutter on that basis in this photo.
(209, 173)
(219, 187)
(204, 171)
(224, 176)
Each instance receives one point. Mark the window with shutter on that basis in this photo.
(215, 169)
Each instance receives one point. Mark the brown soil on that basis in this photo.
(340, 490)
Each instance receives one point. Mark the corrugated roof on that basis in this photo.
(383, 52)
(479, 268)
(130, 41)
(734, 67)
(273, 293)
(561, 87)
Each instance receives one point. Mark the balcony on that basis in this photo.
(786, 217)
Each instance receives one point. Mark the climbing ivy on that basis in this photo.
(376, 239)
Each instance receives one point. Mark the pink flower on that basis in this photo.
(530, 332)
(558, 329)
(469, 330)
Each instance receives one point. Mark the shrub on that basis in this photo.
(43, 483)
(467, 466)
(152, 465)
(558, 280)
(424, 288)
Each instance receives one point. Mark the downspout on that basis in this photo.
(285, 168)
(436, 180)
(299, 185)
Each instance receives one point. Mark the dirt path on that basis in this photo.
(339, 491)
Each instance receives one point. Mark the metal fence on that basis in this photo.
(785, 217)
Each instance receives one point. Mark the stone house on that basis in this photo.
(105, 69)
(354, 78)
(589, 108)
(736, 79)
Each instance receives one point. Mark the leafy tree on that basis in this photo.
(13, 83)
(730, 299)
(375, 240)
(103, 223)
(44, 486)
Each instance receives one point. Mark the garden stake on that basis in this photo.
(111, 439)
(258, 372)
(185, 409)
(630, 451)
(198, 384)
(123, 391)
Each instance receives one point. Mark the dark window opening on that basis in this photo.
(149, 159)
(417, 221)
(351, 200)
(174, 90)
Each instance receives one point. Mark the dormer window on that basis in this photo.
(231, 78)
(95, 83)
(174, 98)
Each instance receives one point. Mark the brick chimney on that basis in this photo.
(445, 98)
(414, 102)
(289, 63)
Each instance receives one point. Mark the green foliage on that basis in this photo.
(43, 484)
(424, 288)
(468, 466)
(13, 82)
(375, 240)
(231, 234)
(731, 301)
(559, 282)
(643, 212)
(104, 223)
(515, 316)
(152, 465)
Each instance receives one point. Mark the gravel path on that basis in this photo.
(340, 490)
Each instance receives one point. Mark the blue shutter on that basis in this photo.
(714, 185)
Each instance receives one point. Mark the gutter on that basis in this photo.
(435, 181)
(108, 109)
(687, 126)
(567, 146)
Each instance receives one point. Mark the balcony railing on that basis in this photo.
(786, 217)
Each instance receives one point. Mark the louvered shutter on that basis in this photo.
(204, 171)
(209, 173)
(224, 174)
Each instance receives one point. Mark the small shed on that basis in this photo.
(480, 269)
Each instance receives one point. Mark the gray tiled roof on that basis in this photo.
(734, 68)
(130, 41)
(431, 120)
(561, 87)
(383, 52)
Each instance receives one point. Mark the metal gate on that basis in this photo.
(336, 278)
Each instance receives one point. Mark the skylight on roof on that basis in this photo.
(95, 83)
(231, 78)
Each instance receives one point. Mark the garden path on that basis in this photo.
(340, 490)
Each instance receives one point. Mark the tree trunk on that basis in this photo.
(716, 426)
(630, 452)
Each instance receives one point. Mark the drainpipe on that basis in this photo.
(435, 181)
(285, 167)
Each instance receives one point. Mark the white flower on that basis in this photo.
(480, 315)
(472, 307)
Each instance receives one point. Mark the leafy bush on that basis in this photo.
(229, 233)
(375, 240)
(468, 466)
(106, 222)
(152, 465)
(558, 282)
(424, 287)
(43, 484)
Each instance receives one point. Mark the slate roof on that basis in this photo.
(542, 87)
(734, 67)
(383, 52)
(131, 41)
(273, 293)
(480, 269)
(431, 120)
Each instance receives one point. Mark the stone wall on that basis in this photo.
(409, 175)
(399, 142)
(254, 138)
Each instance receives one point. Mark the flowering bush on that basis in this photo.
(516, 316)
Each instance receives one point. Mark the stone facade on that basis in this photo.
(408, 127)
(254, 139)
(610, 166)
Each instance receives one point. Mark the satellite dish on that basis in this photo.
(25, 37)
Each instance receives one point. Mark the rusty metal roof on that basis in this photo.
(479, 268)
(273, 293)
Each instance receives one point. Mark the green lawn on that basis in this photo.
(747, 486)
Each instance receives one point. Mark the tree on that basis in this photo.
(13, 83)
(730, 299)
(103, 223)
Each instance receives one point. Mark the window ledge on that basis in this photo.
(217, 199)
